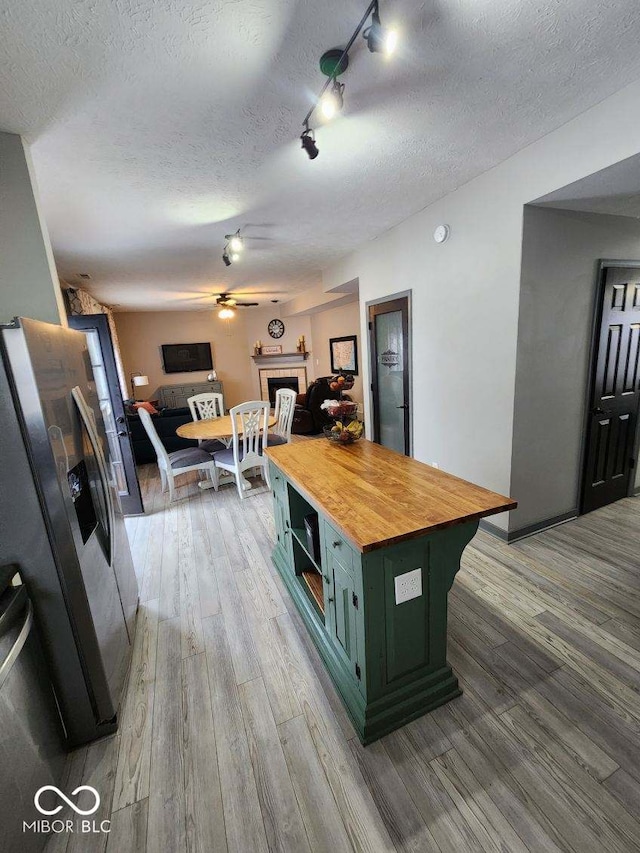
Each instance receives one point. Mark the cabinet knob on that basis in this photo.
(327, 579)
(336, 544)
(330, 600)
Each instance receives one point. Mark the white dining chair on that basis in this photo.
(285, 405)
(178, 462)
(205, 407)
(246, 451)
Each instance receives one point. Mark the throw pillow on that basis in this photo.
(148, 406)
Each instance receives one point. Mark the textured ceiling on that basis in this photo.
(160, 125)
(615, 190)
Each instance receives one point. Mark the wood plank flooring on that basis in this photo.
(233, 738)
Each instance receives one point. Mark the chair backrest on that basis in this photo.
(158, 446)
(285, 405)
(204, 407)
(250, 418)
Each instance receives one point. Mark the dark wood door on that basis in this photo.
(615, 389)
(389, 347)
(103, 361)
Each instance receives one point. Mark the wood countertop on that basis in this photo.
(378, 497)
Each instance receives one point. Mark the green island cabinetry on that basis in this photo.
(390, 529)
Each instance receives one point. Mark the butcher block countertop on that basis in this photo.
(377, 497)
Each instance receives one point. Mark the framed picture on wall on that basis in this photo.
(344, 354)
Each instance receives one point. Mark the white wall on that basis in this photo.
(142, 333)
(336, 323)
(557, 303)
(28, 280)
(466, 291)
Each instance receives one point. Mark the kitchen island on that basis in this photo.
(368, 543)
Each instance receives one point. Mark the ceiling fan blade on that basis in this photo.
(246, 304)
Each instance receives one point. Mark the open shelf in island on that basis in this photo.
(314, 582)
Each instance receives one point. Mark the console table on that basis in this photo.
(373, 590)
(175, 396)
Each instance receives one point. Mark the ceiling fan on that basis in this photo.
(225, 300)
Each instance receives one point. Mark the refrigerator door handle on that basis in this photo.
(88, 419)
(16, 648)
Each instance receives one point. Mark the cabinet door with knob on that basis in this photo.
(341, 608)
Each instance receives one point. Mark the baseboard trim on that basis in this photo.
(522, 532)
(498, 532)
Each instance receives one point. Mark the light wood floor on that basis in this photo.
(232, 738)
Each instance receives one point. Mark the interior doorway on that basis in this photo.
(614, 388)
(390, 363)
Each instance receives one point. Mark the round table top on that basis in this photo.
(212, 428)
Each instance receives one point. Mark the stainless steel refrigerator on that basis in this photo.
(61, 522)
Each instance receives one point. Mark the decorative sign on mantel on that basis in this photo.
(271, 349)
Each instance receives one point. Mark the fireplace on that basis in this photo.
(276, 383)
(284, 377)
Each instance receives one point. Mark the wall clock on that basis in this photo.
(276, 328)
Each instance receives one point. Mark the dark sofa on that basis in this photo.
(308, 417)
(166, 423)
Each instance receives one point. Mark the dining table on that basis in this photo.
(220, 428)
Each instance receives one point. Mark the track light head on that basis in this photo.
(333, 100)
(236, 243)
(380, 39)
(226, 258)
(308, 141)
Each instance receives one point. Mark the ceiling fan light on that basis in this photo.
(226, 313)
(234, 257)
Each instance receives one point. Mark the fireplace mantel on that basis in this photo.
(286, 357)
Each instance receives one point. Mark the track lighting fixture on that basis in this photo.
(232, 248)
(335, 61)
(333, 100)
(379, 39)
(309, 143)
(235, 241)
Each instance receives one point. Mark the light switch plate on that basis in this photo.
(408, 586)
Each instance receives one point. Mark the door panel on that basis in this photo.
(121, 461)
(342, 612)
(615, 391)
(390, 374)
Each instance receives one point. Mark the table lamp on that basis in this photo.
(137, 380)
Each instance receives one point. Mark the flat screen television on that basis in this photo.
(185, 358)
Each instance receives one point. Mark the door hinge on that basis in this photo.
(358, 673)
(632, 463)
(354, 600)
(370, 325)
